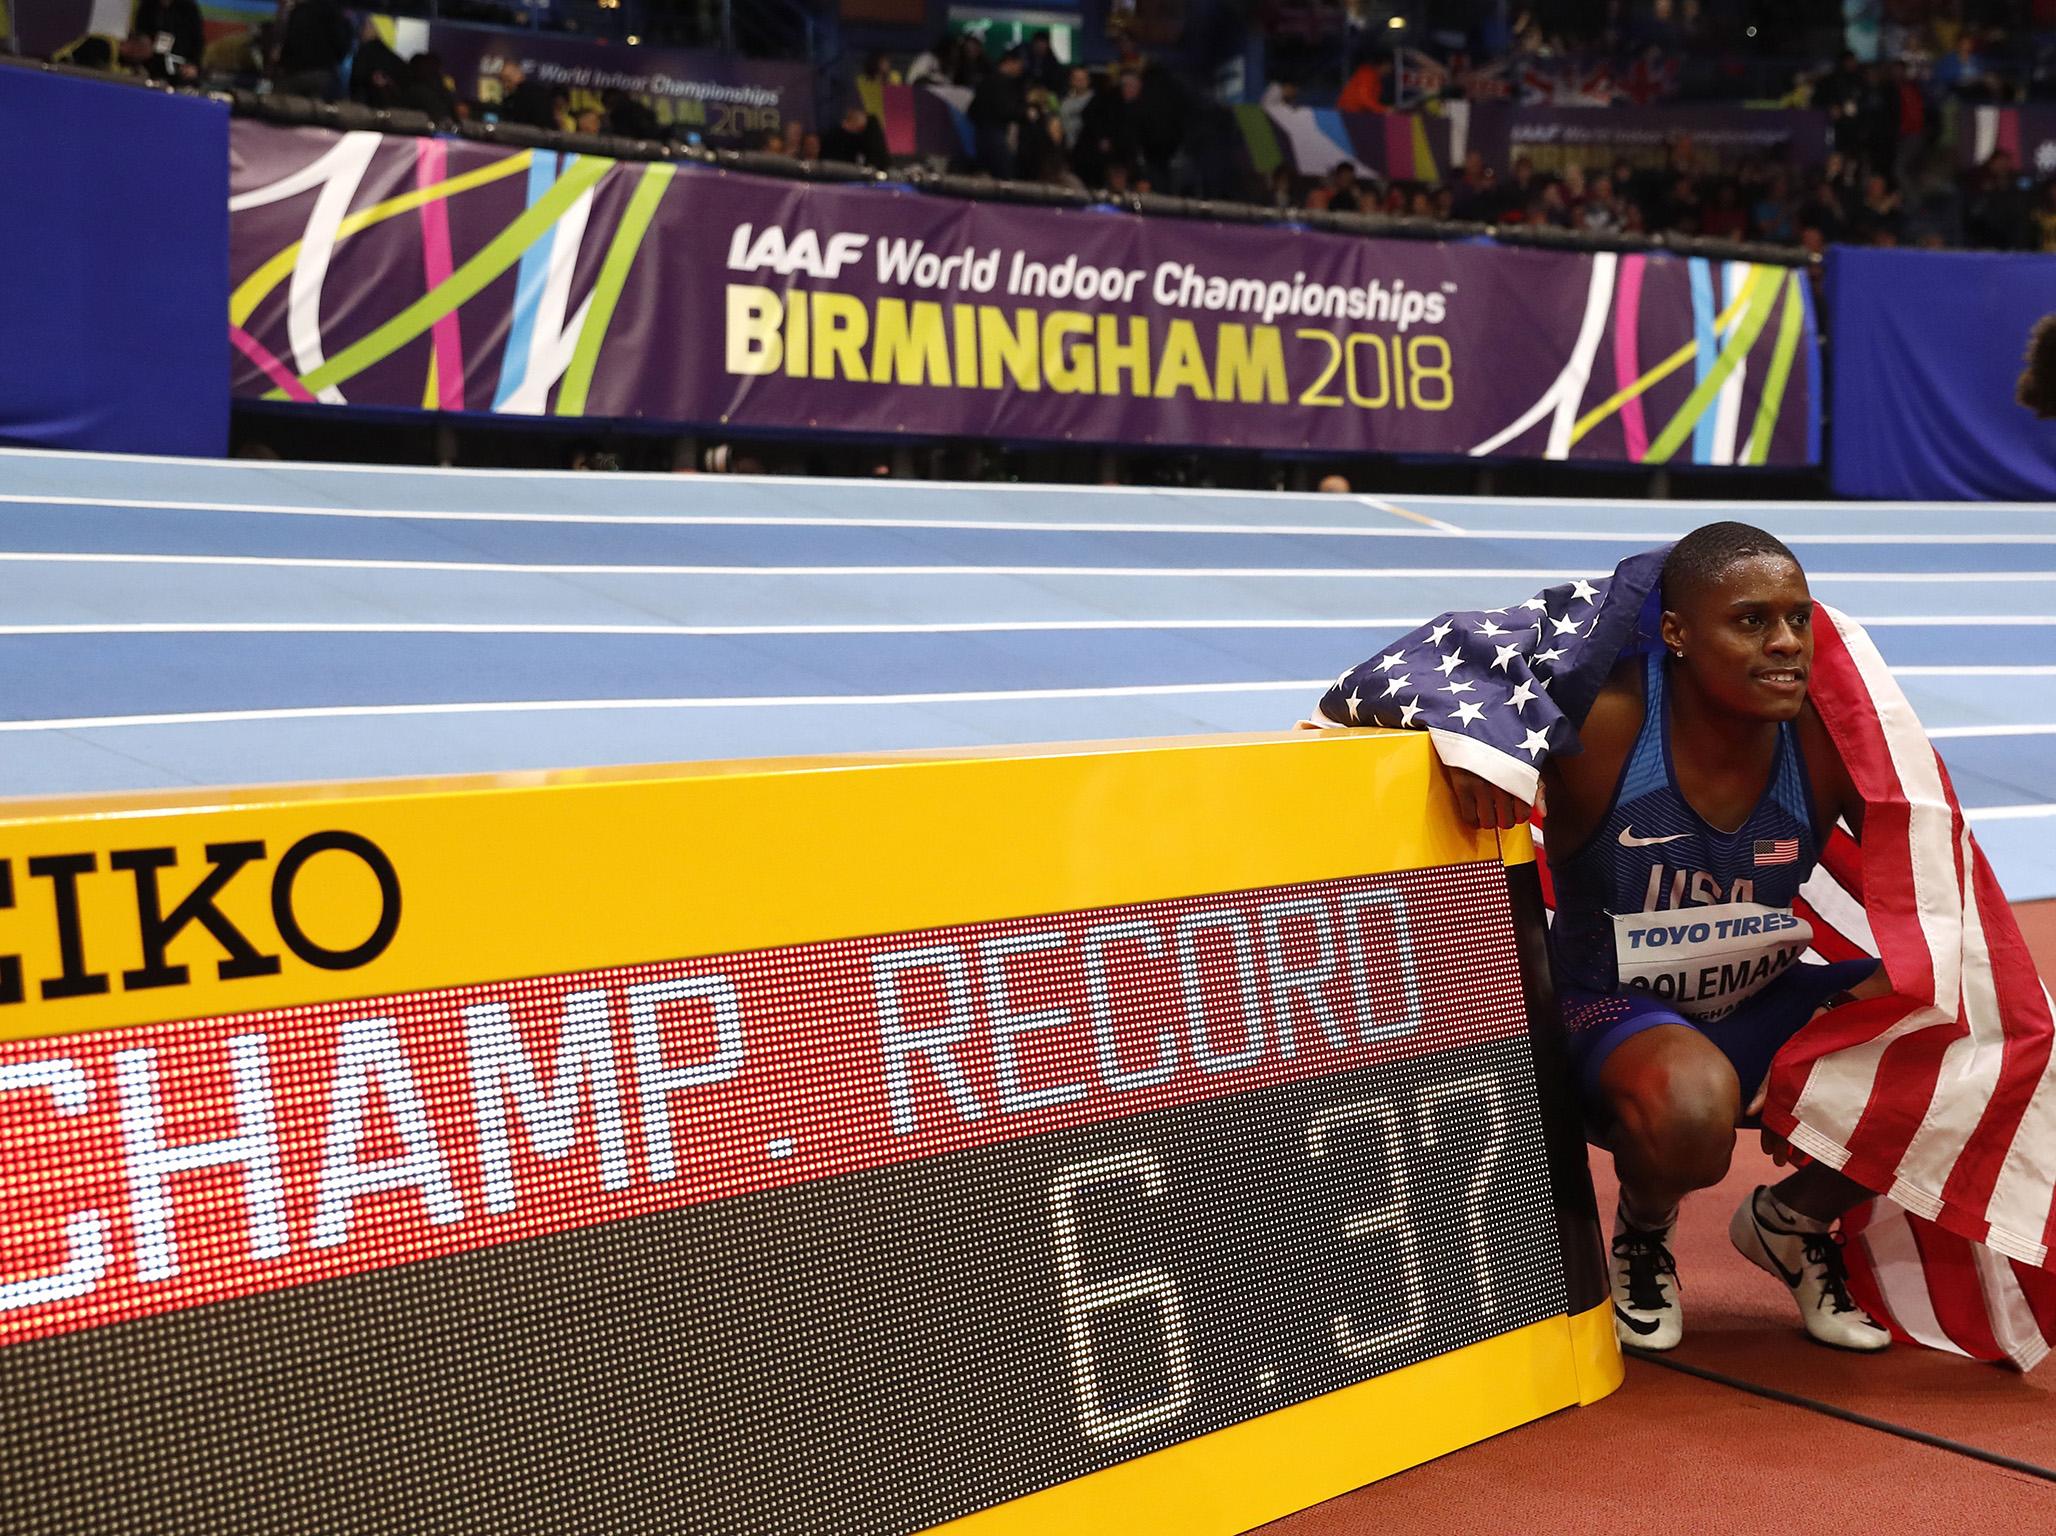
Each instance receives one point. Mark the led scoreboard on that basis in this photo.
(1152, 1138)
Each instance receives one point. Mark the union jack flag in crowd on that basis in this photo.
(1942, 1094)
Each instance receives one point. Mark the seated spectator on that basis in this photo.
(810, 145)
(312, 49)
(1599, 214)
(378, 76)
(938, 66)
(1548, 208)
(522, 100)
(629, 117)
(1472, 196)
(1076, 98)
(1284, 187)
(998, 109)
(1509, 204)
(1770, 217)
(1108, 129)
(1878, 213)
(588, 120)
(1344, 195)
(1043, 157)
(237, 56)
(174, 36)
(2045, 218)
(1042, 67)
(1996, 214)
(1962, 72)
(1727, 219)
(1159, 113)
(972, 66)
(856, 140)
(428, 88)
(877, 73)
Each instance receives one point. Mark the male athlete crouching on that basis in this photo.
(1677, 839)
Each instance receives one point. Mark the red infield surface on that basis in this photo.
(1672, 1452)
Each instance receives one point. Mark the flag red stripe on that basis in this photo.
(1901, 1100)
(1843, 859)
(1863, 1276)
(1952, 1283)
(1903, 1085)
(2039, 1286)
(1828, 940)
(2024, 1051)
(1888, 885)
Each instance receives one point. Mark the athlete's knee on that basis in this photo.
(1678, 1115)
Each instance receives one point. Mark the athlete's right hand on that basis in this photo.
(1482, 803)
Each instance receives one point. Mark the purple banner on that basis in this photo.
(426, 273)
(1596, 138)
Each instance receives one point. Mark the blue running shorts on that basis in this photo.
(1597, 1022)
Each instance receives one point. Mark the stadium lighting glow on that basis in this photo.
(1397, 23)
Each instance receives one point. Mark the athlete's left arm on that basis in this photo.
(1834, 792)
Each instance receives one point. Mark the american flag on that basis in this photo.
(1942, 1094)
(1777, 850)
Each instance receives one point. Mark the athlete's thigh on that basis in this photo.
(1671, 1069)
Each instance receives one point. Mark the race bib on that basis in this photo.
(1706, 961)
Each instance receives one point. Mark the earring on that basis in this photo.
(1679, 654)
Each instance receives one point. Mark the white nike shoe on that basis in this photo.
(1808, 1258)
(1646, 1314)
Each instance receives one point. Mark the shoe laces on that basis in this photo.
(1825, 1249)
(1648, 1261)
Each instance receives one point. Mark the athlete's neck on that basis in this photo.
(1725, 756)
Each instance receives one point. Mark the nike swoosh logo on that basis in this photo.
(1791, 1277)
(1635, 1324)
(1629, 840)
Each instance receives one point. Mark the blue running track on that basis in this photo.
(178, 622)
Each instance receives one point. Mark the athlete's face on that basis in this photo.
(1748, 638)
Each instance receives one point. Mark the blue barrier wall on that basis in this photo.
(1926, 348)
(113, 267)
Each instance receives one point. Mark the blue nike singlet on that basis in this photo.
(1658, 902)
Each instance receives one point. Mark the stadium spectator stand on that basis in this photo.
(1901, 166)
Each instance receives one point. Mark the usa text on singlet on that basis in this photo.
(1659, 901)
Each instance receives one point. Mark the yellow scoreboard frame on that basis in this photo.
(130, 913)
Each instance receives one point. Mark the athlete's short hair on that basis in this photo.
(1697, 560)
(2037, 388)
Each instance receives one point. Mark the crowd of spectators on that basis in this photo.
(1891, 174)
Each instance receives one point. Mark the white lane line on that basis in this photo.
(1954, 620)
(993, 627)
(245, 468)
(541, 706)
(1124, 572)
(1993, 671)
(1429, 527)
(1434, 524)
(2009, 812)
(1314, 686)
(942, 627)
